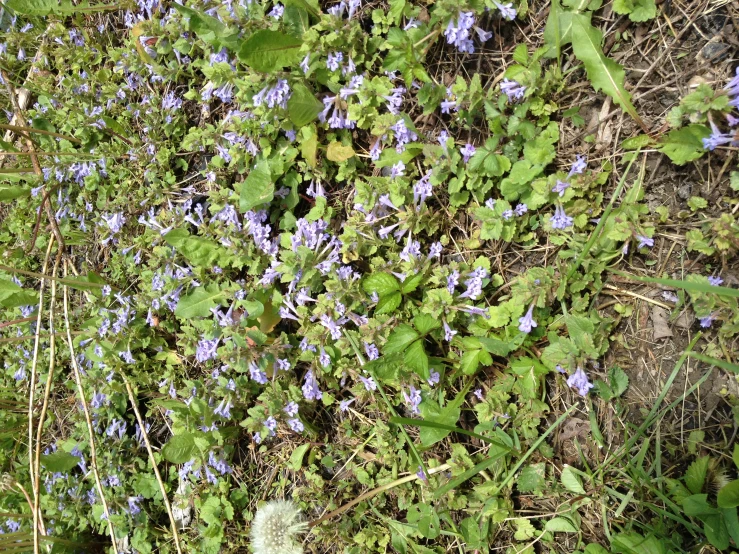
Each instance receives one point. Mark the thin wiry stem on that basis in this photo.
(44, 407)
(145, 435)
(86, 410)
(34, 365)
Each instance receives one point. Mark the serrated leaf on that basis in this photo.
(303, 106)
(258, 187)
(416, 359)
(337, 152)
(424, 323)
(199, 302)
(180, 448)
(430, 411)
(199, 251)
(728, 496)
(381, 283)
(571, 481)
(604, 74)
(695, 475)
(411, 283)
(59, 462)
(400, 338)
(268, 51)
(684, 145)
(388, 304)
(208, 28)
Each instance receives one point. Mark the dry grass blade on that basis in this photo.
(34, 366)
(42, 415)
(145, 435)
(86, 410)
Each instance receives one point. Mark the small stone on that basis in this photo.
(683, 191)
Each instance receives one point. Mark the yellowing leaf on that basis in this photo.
(337, 152)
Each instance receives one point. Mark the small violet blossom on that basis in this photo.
(580, 381)
(527, 323)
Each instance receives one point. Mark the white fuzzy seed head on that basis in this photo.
(275, 528)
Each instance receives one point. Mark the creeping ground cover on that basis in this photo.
(369, 276)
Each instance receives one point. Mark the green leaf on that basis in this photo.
(424, 323)
(258, 187)
(400, 338)
(303, 106)
(416, 359)
(560, 525)
(47, 7)
(296, 458)
(716, 532)
(571, 481)
(684, 145)
(208, 28)
(436, 425)
(388, 304)
(198, 250)
(199, 302)
(268, 51)
(180, 448)
(411, 283)
(59, 462)
(634, 543)
(8, 192)
(695, 475)
(604, 73)
(697, 506)
(381, 283)
(495, 455)
(637, 10)
(731, 520)
(594, 548)
(728, 496)
(532, 478)
(431, 412)
(735, 458)
(337, 152)
(496, 346)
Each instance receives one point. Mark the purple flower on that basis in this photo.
(707, 321)
(310, 387)
(521, 209)
(452, 281)
(421, 475)
(334, 60)
(206, 350)
(296, 425)
(512, 89)
(581, 163)
(715, 281)
(478, 394)
(403, 135)
(413, 399)
(305, 64)
(274, 96)
(271, 424)
(435, 250)
(560, 370)
(133, 505)
(561, 187)
(507, 11)
(371, 350)
(344, 404)
(560, 220)
(257, 374)
(474, 283)
(127, 357)
(224, 409)
(527, 323)
(717, 138)
(422, 190)
(434, 377)
(397, 170)
(732, 87)
(291, 409)
(369, 383)
(324, 359)
(114, 222)
(257, 438)
(579, 380)
(467, 151)
(448, 331)
(457, 32)
(98, 400)
(644, 241)
(277, 11)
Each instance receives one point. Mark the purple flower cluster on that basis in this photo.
(310, 387)
(336, 120)
(458, 32)
(273, 96)
(579, 380)
(513, 90)
(560, 220)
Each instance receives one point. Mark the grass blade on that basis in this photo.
(436, 425)
(685, 285)
(723, 364)
(469, 474)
